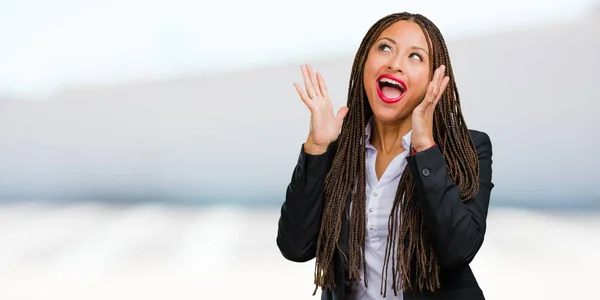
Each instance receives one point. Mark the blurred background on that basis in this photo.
(146, 145)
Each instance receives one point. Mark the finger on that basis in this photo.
(435, 75)
(429, 96)
(322, 85)
(303, 96)
(435, 102)
(313, 80)
(441, 76)
(443, 87)
(425, 103)
(307, 83)
(342, 112)
(435, 85)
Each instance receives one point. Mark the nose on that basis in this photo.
(395, 64)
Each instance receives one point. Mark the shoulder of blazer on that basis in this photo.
(480, 138)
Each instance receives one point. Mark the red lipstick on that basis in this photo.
(391, 81)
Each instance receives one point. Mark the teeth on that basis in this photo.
(390, 81)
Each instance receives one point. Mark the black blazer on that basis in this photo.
(456, 228)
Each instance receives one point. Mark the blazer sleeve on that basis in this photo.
(300, 219)
(456, 228)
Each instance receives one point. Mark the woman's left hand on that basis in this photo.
(422, 116)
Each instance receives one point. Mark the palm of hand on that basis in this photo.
(422, 116)
(325, 126)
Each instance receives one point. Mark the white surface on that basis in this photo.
(149, 252)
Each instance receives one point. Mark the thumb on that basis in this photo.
(427, 100)
(422, 107)
(341, 114)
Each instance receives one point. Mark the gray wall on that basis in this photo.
(236, 135)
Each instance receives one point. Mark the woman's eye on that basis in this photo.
(415, 55)
(385, 48)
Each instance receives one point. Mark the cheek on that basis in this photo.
(419, 83)
(369, 69)
(366, 81)
(370, 72)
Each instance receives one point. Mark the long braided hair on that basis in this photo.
(407, 246)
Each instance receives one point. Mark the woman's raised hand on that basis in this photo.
(324, 125)
(422, 116)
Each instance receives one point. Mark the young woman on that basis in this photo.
(395, 205)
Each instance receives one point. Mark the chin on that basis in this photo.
(389, 112)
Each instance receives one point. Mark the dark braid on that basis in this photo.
(407, 244)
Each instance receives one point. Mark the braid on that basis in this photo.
(414, 262)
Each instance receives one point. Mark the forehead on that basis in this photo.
(406, 33)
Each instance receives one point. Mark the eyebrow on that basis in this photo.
(413, 47)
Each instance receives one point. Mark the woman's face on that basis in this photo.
(397, 72)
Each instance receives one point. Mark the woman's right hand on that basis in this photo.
(324, 125)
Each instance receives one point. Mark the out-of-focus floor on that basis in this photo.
(90, 251)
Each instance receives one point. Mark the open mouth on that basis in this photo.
(390, 88)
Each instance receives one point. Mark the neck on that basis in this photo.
(386, 137)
